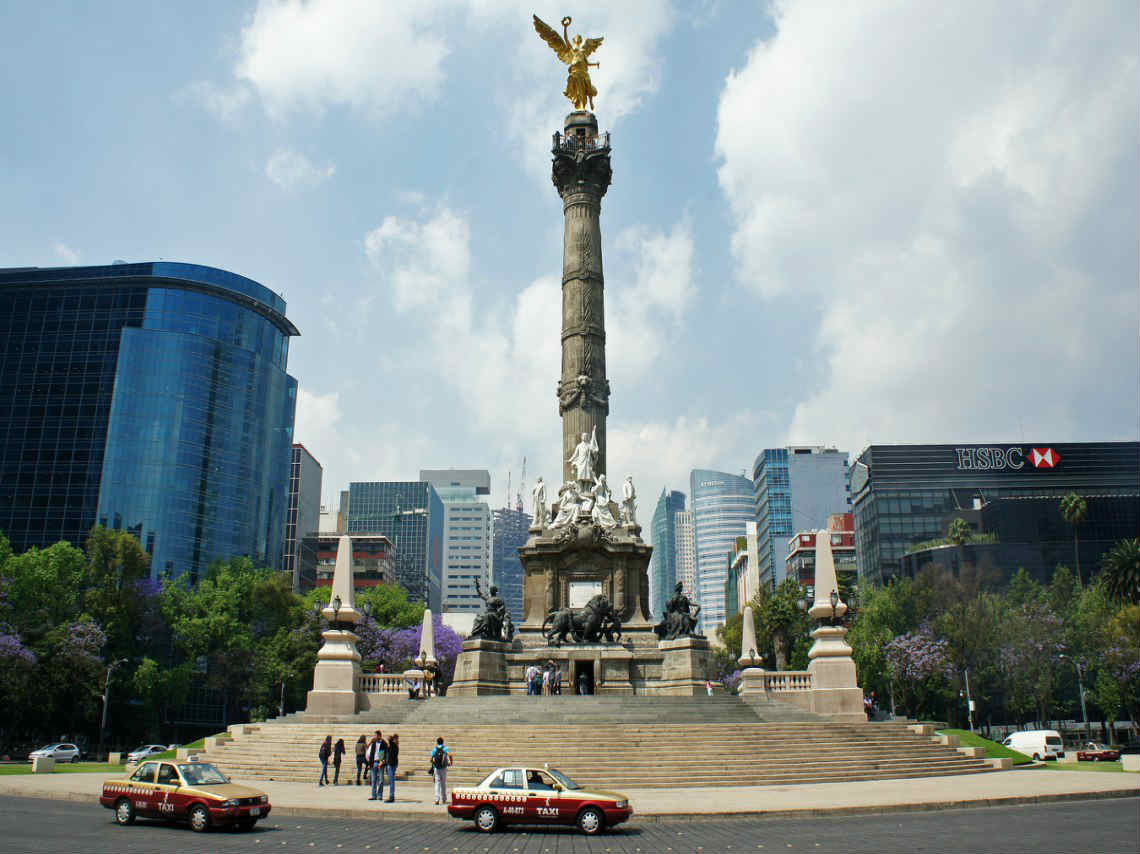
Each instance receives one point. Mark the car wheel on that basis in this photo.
(1036, 757)
(74, 759)
(199, 819)
(591, 821)
(124, 812)
(486, 819)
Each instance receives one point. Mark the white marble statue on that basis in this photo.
(602, 497)
(585, 457)
(628, 502)
(541, 512)
(569, 506)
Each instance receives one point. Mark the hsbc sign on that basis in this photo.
(994, 458)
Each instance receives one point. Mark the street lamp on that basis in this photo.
(106, 694)
(1081, 691)
(834, 604)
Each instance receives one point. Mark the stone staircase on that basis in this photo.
(619, 742)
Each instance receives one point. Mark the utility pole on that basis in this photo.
(1081, 690)
(106, 695)
(969, 702)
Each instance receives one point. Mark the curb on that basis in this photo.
(654, 818)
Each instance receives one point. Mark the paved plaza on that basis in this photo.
(1077, 826)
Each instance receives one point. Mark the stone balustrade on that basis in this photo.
(381, 683)
(787, 681)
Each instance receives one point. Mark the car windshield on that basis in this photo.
(202, 774)
(1052, 739)
(141, 749)
(48, 747)
(563, 779)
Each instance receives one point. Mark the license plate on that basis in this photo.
(255, 810)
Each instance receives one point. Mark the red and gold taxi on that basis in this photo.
(537, 796)
(196, 792)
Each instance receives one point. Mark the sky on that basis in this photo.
(829, 223)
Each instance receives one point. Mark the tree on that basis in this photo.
(117, 583)
(781, 627)
(732, 633)
(1074, 509)
(920, 670)
(1120, 571)
(44, 587)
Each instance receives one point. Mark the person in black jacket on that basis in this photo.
(323, 755)
(338, 756)
(361, 756)
(392, 763)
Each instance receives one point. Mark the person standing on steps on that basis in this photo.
(324, 754)
(361, 756)
(392, 763)
(377, 757)
(338, 756)
(441, 760)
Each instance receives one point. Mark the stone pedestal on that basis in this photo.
(335, 676)
(43, 764)
(481, 669)
(685, 667)
(835, 691)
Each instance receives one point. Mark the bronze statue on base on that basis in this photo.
(680, 620)
(586, 625)
(495, 621)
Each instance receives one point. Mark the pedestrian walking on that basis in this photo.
(392, 764)
(708, 687)
(324, 754)
(377, 757)
(546, 681)
(361, 756)
(557, 680)
(338, 757)
(529, 677)
(441, 760)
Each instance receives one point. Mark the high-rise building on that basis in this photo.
(509, 532)
(663, 538)
(796, 489)
(147, 397)
(373, 559)
(466, 534)
(743, 574)
(410, 514)
(302, 518)
(686, 553)
(722, 505)
(906, 494)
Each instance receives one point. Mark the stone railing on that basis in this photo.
(572, 145)
(381, 683)
(787, 681)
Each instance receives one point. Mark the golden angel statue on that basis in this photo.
(579, 89)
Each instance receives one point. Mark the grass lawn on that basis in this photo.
(992, 748)
(1105, 767)
(200, 744)
(67, 768)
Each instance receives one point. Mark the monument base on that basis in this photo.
(336, 676)
(481, 669)
(685, 667)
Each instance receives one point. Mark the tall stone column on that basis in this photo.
(581, 174)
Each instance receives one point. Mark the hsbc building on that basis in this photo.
(903, 495)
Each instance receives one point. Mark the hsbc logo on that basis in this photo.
(1044, 458)
(992, 458)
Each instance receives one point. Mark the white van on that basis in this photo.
(1037, 743)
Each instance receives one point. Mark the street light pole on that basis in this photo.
(106, 694)
(969, 702)
(1081, 691)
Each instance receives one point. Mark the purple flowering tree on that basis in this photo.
(920, 671)
(396, 648)
(1029, 657)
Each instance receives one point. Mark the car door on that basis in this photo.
(141, 787)
(508, 794)
(166, 798)
(542, 799)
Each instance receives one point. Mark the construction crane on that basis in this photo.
(522, 489)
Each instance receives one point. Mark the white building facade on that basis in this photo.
(466, 535)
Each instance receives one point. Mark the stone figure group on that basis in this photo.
(495, 621)
(680, 618)
(576, 503)
(589, 624)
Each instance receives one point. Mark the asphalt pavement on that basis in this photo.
(43, 826)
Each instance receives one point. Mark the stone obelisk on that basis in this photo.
(581, 174)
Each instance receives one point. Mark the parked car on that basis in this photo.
(537, 796)
(1093, 751)
(195, 792)
(1132, 748)
(60, 752)
(145, 752)
(1037, 743)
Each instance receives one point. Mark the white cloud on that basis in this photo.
(307, 55)
(66, 254)
(950, 197)
(427, 260)
(292, 170)
(225, 104)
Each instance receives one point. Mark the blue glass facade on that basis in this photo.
(509, 533)
(153, 398)
(722, 505)
(410, 514)
(663, 538)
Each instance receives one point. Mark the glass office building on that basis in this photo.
(508, 533)
(466, 535)
(722, 505)
(796, 488)
(663, 538)
(907, 494)
(149, 397)
(302, 518)
(410, 514)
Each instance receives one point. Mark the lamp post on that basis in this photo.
(969, 700)
(1081, 691)
(106, 694)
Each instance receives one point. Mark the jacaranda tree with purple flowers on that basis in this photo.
(920, 671)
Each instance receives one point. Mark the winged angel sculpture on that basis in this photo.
(579, 89)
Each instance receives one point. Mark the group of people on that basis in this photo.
(543, 681)
(375, 760)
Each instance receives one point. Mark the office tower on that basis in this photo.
(663, 538)
(302, 518)
(147, 397)
(410, 514)
(796, 489)
(686, 553)
(466, 534)
(722, 505)
(509, 531)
